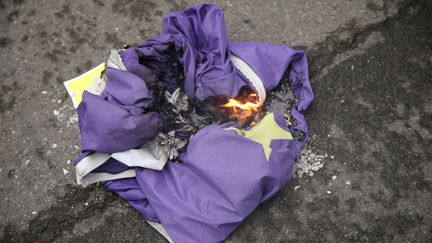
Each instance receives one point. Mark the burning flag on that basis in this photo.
(245, 111)
(146, 113)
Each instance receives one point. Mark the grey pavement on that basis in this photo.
(371, 70)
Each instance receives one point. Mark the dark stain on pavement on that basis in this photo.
(7, 97)
(139, 9)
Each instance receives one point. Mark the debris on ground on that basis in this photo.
(309, 162)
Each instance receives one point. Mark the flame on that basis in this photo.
(242, 110)
(235, 104)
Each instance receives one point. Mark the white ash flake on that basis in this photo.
(73, 119)
(308, 162)
(65, 171)
(348, 182)
(67, 115)
(296, 188)
(334, 177)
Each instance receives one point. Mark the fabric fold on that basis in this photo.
(109, 128)
(226, 172)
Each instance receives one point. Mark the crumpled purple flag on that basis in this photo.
(224, 176)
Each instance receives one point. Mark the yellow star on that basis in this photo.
(264, 132)
(76, 86)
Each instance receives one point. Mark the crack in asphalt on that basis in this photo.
(347, 39)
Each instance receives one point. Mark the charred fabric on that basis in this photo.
(185, 126)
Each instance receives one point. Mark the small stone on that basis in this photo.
(54, 145)
(329, 192)
(11, 173)
(334, 177)
(68, 162)
(348, 182)
(296, 187)
(34, 212)
(44, 92)
(331, 157)
(86, 204)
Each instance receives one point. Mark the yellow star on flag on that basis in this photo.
(76, 86)
(264, 132)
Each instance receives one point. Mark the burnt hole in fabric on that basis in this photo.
(181, 116)
(282, 99)
(168, 71)
(299, 135)
(213, 109)
(169, 76)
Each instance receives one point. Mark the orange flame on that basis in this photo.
(242, 110)
(253, 106)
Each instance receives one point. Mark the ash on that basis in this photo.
(308, 162)
(282, 98)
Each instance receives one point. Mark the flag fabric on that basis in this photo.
(225, 171)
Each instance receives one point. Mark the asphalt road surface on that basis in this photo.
(371, 70)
